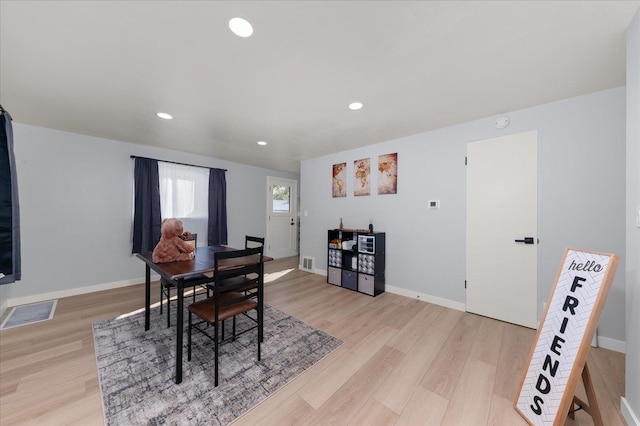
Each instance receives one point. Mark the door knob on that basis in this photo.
(527, 240)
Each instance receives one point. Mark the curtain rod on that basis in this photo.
(175, 162)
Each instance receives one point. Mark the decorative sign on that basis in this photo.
(561, 346)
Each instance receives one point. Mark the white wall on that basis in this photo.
(581, 144)
(631, 400)
(76, 197)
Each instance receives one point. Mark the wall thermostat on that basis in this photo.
(434, 204)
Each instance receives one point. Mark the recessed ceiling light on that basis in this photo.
(240, 27)
(355, 106)
(262, 143)
(165, 115)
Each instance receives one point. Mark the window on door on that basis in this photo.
(281, 196)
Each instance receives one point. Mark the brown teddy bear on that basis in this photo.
(171, 247)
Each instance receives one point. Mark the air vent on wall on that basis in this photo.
(307, 263)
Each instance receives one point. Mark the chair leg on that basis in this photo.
(234, 328)
(161, 296)
(260, 331)
(168, 307)
(189, 339)
(215, 351)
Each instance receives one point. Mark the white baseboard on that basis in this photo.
(612, 344)
(17, 301)
(452, 304)
(628, 414)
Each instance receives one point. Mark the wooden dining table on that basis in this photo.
(177, 272)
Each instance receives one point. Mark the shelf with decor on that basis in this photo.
(356, 260)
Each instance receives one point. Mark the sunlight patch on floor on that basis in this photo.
(272, 276)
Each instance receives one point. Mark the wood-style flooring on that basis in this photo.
(403, 362)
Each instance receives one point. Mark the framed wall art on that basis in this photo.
(362, 170)
(339, 180)
(388, 174)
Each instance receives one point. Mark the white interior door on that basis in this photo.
(282, 217)
(502, 204)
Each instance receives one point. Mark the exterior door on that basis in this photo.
(282, 218)
(502, 203)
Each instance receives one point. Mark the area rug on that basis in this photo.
(136, 369)
(29, 314)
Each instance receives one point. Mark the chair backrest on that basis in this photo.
(237, 263)
(250, 241)
(194, 241)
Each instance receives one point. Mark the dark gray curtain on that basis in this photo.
(217, 228)
(10, 262)
(146, 216)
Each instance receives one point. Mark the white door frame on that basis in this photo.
(273, 219)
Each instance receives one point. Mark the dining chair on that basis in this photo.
(167, 285)
(249, 242)
(230, 299)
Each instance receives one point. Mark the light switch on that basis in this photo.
(434, 204)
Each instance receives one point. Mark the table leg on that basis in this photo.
(179, 326)
(147, 297)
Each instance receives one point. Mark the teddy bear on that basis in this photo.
(171, 247)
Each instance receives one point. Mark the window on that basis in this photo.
(184, 194)
(280, 197)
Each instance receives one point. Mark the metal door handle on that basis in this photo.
(527, 240)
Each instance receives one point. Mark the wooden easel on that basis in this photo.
(592, 406)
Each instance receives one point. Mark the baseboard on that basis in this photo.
(603, 342)
(414, 295)
(17, 301)
(612, 344)
(628, 414)
(426, 298)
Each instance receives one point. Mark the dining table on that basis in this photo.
(203, 263)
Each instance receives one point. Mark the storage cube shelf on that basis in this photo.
(356, 260)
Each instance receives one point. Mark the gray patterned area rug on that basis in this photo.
(136, 368)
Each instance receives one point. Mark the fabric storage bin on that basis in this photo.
(349, 280)
(366, 284)
(334, 276)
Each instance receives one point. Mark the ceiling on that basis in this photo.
(104, 68)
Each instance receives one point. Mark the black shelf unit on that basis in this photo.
(356, 260)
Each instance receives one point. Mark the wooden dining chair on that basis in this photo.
(249, 242)
(240, 276)
(167, 285)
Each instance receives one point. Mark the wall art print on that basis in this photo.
(362, 170)
(339, 180)
(388, 173)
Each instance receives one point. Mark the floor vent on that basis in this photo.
(307, 263)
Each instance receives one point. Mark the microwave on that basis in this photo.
(367, 244)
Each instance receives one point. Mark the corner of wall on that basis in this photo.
(4, 299)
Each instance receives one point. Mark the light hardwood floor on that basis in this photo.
(403, 362)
